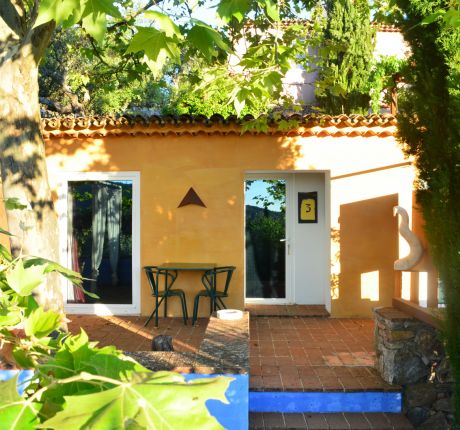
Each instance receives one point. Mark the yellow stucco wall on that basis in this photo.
(368, 176)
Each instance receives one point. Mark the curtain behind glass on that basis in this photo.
(98, 230)
(113, 228)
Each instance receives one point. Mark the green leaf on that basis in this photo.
(16, 412)
(232, 8)
(9, 317)
(156, 46)
(25, 280)
(271, 9)
(5, 253)
(95, 7)
(206, 39)
(160, 400)
(165, 23)
(96, 26)
(239, 97)
(272, 81)
(3, 231)
(23, 359)
(94, 16)
(41, 323)
(13, 203)
(432, 17)
(51, 266)
(61, 11)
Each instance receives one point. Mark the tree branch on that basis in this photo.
(132, 16)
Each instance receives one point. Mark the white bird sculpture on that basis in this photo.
(416, 248)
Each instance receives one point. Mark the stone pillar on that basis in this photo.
(410, 353)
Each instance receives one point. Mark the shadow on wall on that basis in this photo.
(368, 249)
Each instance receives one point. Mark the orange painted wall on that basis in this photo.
(368, 176)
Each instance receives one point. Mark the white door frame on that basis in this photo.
(289, 261)
(291, 211)
(64, 254)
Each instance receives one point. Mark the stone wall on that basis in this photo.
(410, 353)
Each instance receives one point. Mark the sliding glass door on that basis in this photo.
(101, 243)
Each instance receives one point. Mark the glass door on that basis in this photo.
(266, 239)
(99, 215)
(100, 240)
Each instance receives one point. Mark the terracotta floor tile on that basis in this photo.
(272, 382)
(357, 421)
(316, 422)
(291, 382)
(273, 421)
(337, 422)
(378, 421)
(288, 344)
(256, 421)
(295, 421)
(399, 422)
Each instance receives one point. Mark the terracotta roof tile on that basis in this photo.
(307, 125)
(381, 27)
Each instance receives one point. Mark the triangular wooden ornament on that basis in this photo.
(191, 198)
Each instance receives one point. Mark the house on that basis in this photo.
(305, 215)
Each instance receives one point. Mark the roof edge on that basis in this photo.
(297, 125)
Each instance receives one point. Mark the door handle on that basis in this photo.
(288, 245)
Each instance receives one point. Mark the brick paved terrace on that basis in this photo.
(286, 353)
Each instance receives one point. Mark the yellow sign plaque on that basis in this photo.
(308, 211)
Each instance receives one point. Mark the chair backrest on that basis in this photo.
(154, 274)
(222, 275)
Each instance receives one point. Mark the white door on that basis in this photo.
(99, 217)
(287, 247)
(267, 246)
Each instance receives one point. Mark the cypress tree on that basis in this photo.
(429, 127)
(349, 43)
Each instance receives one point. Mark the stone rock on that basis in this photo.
(408, 368)
(420, 395)
(163, 342)
(428, 344)
(443, 405)
(435, 422)
(417, 415)
(398, 335)
(443, 372)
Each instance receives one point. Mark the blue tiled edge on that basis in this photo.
(234, 415)
(321, 402)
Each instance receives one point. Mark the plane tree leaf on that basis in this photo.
(94, 20)
(228, 9)
(51, 266)
(206, 40)
(13, 203)
(156, 45)
(9, 317)
(164, 22)
(23, 280)
(156, 400)
(91, 13)
(16, 412)
(41, 323)
(271, 8)
(62, 11)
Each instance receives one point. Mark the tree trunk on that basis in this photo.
(22, 161)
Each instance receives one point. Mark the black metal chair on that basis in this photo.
(155, 276)
(211, 280)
